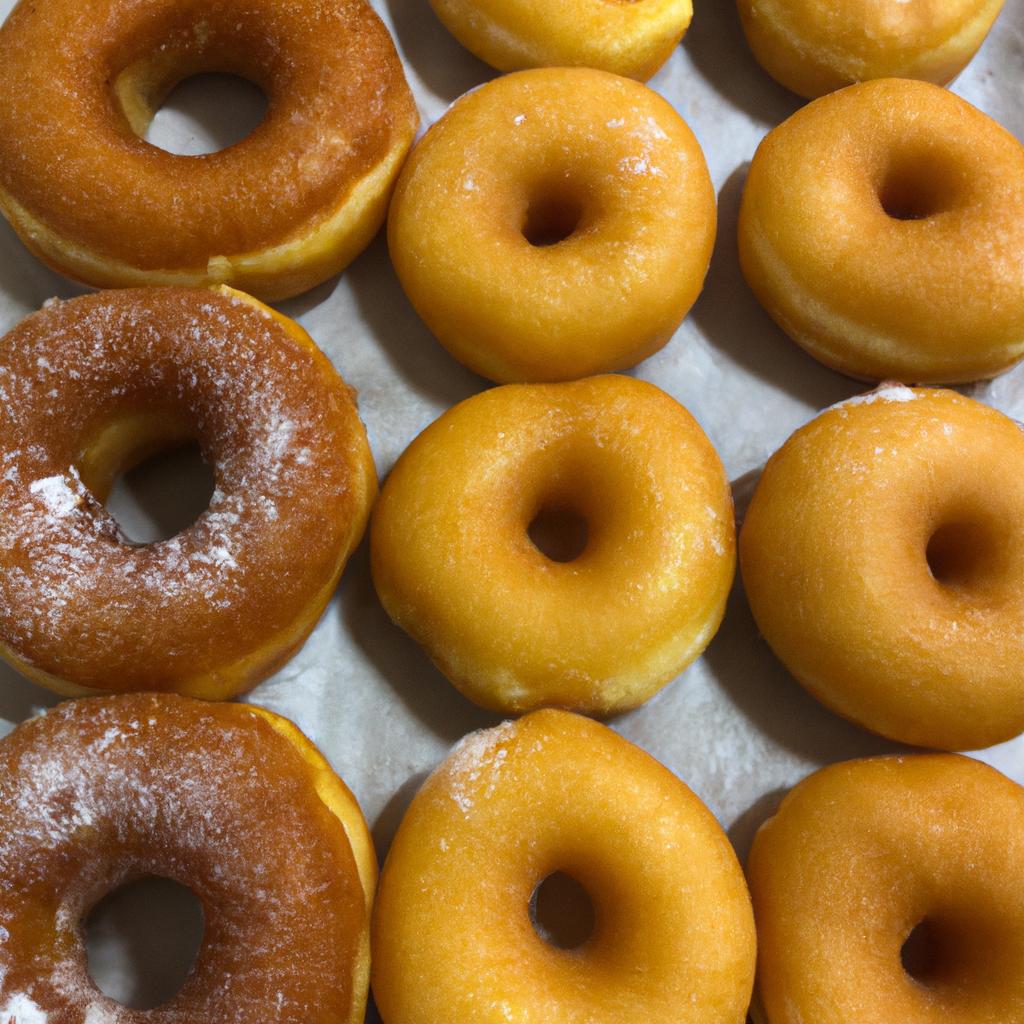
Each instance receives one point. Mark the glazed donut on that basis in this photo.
(91, 386)
(554, 224)
(865, 855)
(883, 557)
(230, 800)
(882, 227)
(275, 214)
(816, 46)
(672, 937)
(631, 39)
(598, 626)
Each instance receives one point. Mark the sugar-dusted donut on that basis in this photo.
(227, 799)
(631, 39)
(672, 935)
(276, 213)
(816, 46)
(599, 628)
(883, 557)
(864, 856)
(90, 386)
(553, 224)
(882, 226)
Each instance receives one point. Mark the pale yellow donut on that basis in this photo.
(863, 854)
(882, 227)
(816, 46)
(627, 37)
(883, 557)
(513, 629)
(554, 224)
(673, 938)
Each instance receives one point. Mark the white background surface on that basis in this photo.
(734, 726)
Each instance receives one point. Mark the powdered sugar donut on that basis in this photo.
(883, 557)
(90, 386)
(672, 935)
(228, 799)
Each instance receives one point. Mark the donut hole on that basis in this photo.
(921, 953)
(961, 554)
(161, 495)
(141, 941)
(552, 217)
(916, 188)
(562, 912)
(560, 534)
(206, 113)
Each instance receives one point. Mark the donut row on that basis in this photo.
(554, 223)
(568, 545)
(547, 870)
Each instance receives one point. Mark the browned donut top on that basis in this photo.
(337, 97)
(274, 420)
(100, 791)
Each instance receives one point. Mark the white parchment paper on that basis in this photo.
(734, 726)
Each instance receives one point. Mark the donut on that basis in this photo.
(871, 859)
(227, 799)
(88, 388)
(631, 39)
(671, 934)
(275, 214)
(881, 227)
(816, 46)
(567, 544)
(883, 558)
(553, 224)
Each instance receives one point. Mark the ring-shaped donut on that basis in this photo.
(227, 799)
(553, 224)
(864, 856)
(91, 386)
(632, 39)
(274, 214)
(455, 565)
(882, 226)
(672, 937)
(883, 558)
(816, 46)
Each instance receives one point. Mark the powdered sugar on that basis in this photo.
(20, 1009)
(100, 791)
(474, 766)
(884, 393)
(55, 493)
(262, 411)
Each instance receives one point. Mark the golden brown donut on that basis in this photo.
(227, 799)
(554, 224)
(883, 557)
(632, 39)
(672, 939)
(882, 228)
(275, 214)
(863, 855)
(91, 386)
(597, 629)
(816, 46)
